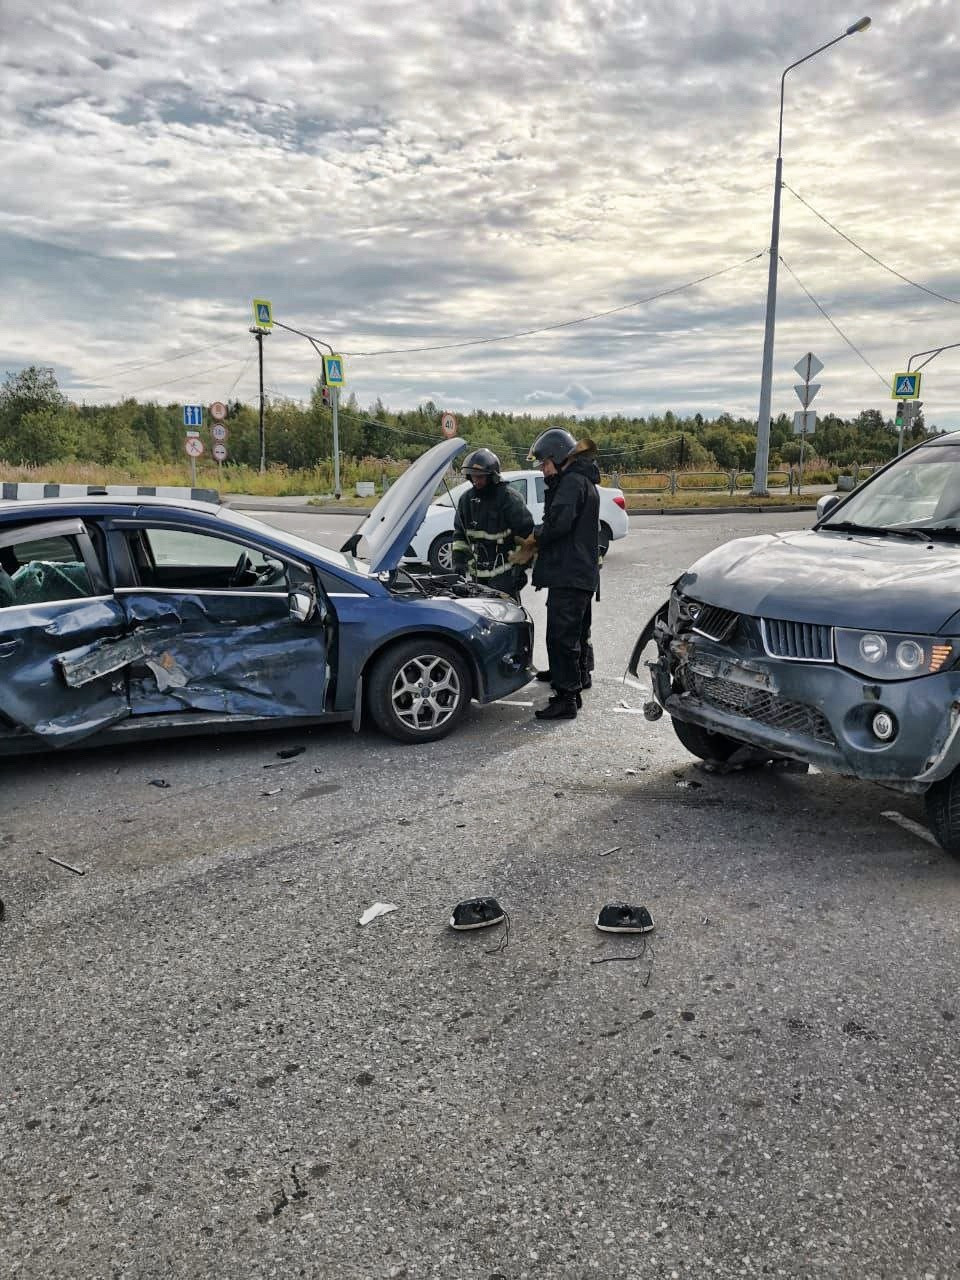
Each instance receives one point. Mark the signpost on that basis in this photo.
(805, 420)
(193, 446)
(193, 415)
(219, 432)
(220, 452)
(448, 424)
(218, 411)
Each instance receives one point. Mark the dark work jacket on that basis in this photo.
(489, 523)
(567, 550)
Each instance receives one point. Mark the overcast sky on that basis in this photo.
(393, 175)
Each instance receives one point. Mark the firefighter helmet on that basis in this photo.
(555, 444)
(482, 462)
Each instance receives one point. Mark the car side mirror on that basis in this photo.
(302, 606)
(826, 504)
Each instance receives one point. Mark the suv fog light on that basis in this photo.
(884, 726)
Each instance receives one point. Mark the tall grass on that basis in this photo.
(278, 481)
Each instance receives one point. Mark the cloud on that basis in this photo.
(578, 394)
(469, 172)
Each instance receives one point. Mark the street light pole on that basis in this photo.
(762, 462)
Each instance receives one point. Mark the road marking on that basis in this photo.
(507, 703)
(908, 824)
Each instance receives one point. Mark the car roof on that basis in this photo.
(16, 509)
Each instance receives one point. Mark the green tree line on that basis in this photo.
(40, 426)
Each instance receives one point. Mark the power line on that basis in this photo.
(122, 370)
(547, 328)
(872, 256)
(198, 373)
(852, 347)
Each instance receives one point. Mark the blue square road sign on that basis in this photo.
(193, 415)
(906, 386)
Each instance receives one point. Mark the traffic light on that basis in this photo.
(327, 397)
(901, 415)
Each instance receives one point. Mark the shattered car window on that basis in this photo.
(43, 570)
(179, 559)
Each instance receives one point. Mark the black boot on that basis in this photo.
(586, 680)
(562, 707)
(544, 676)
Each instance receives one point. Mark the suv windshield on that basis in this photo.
(921, 491)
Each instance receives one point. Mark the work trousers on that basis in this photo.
(569, 616)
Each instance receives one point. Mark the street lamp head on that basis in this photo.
(857, 26)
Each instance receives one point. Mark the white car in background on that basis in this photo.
(432, 542)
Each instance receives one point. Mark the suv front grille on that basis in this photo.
(711, 621)
(764, 707)
(797, 641)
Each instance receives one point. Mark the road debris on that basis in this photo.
(277, 764)
(378, 909)
(275, 792)
(77, 871)
(162, 783)
(287, 753)
(3, 910)
(631, 773)
(616, 849)
(915, 828)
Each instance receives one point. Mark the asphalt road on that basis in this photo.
(207, 1068)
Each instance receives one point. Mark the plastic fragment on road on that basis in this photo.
(77, 871)
(915, 828)
(275, 792)
(288, 753)
(162, 783)
(378, 909)
(616, 849)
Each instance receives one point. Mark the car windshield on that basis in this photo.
(920, 491)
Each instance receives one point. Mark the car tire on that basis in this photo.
(603, 542)
(395, 690)
(701, 742)
(440, 555)
(942, 803)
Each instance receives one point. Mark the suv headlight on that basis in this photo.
(890, 655)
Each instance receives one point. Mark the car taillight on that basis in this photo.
(620, 501)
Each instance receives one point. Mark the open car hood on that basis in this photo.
(391, 524)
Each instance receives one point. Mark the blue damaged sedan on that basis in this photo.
(837, 646)
(126, 618)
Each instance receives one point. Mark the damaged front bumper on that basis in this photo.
(816, 712)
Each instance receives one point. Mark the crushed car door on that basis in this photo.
(220, 625)
(56, 609)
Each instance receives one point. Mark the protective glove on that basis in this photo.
(525, 552)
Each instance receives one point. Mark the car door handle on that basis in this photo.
(8, 648)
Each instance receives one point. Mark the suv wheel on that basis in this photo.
(701, 742)
(419, 690)
(942, 803)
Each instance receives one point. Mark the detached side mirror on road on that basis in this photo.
(826, 504)
(302, 606)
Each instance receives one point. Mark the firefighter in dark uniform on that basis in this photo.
(567, 563)
(491, 521)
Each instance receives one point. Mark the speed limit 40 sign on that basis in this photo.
(448, 424)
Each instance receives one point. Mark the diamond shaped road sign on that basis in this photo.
(806, 391)
(808, 366)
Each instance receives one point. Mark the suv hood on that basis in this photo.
(846, 580)
(391, 524)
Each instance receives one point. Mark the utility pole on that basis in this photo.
(263, 434)
(335, 407)
(259, 334)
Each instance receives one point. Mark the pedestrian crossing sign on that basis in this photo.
(262, 313)
(906, 386)
(333, 370)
